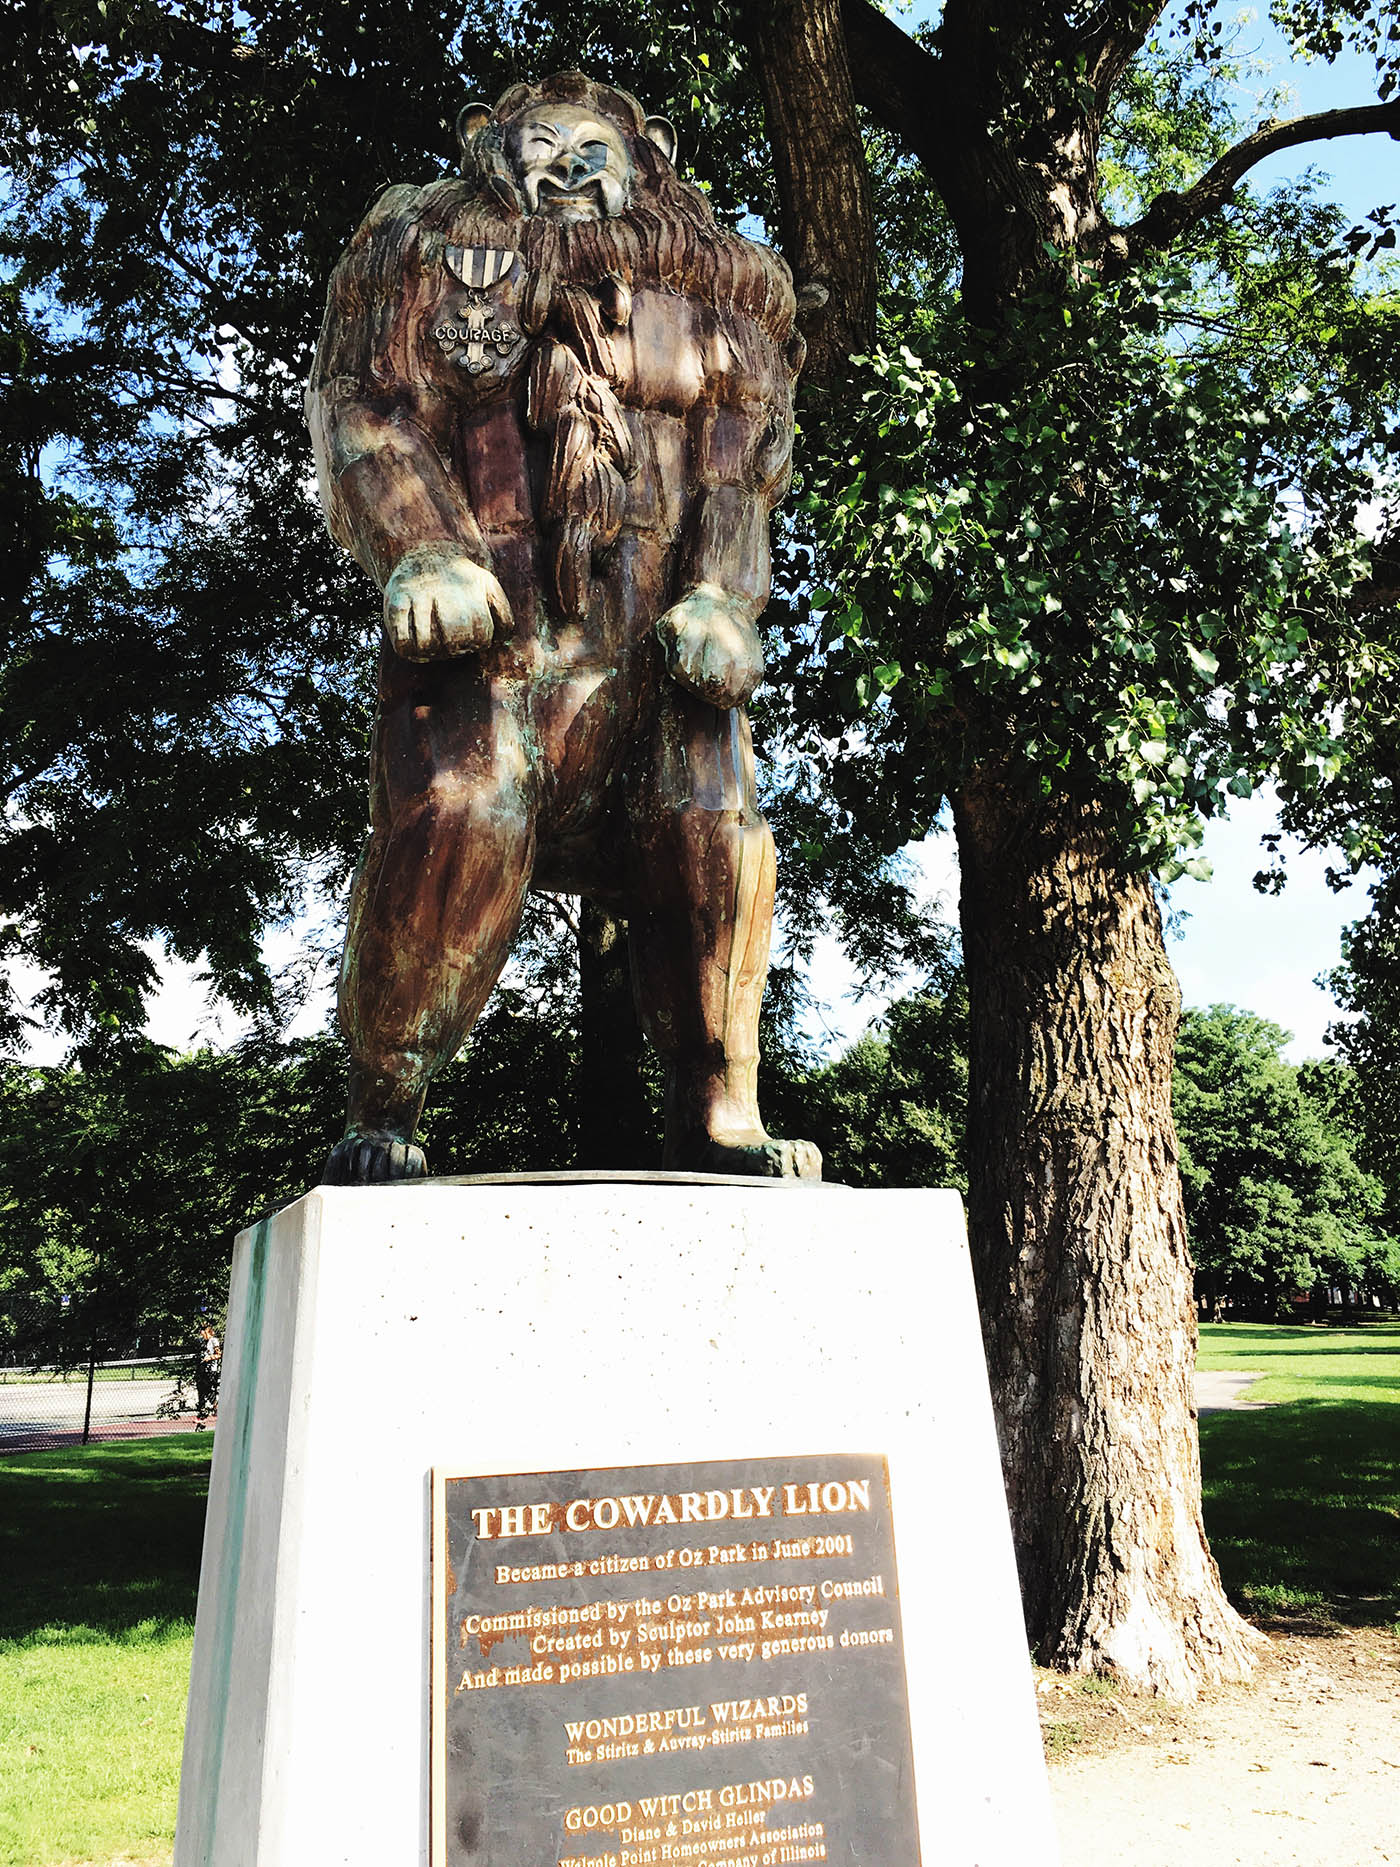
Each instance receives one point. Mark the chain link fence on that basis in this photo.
(131, 1398)
(72, 1373)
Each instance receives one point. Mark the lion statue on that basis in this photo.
(552, 410)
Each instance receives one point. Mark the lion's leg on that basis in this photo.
(435, 908)
(700, 931)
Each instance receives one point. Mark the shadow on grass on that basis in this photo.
(1302, 1506)
(1365, 1379)
(1274, 1340)
(101, 1539)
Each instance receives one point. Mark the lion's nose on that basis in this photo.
(570, 169)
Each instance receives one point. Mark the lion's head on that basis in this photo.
(577, 178)
(567, 149)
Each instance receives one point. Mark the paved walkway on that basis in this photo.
(1222, 1390)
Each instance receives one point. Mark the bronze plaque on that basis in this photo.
(670, 1666)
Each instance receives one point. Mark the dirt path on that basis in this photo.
(1301, 1770)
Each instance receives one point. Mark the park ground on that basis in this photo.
(1301, 1769)
(99, 1547)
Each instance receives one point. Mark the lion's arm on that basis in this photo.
(385, 487)
(738, 480)
(709, 636)
(378, 426)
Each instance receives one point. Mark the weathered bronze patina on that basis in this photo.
(688, 1665)
(552, 408)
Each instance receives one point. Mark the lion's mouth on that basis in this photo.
(585, 201)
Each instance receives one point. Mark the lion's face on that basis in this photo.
(569, 164)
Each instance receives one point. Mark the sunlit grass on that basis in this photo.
(90, 1733)
(99, 1550)
(1303, 1494)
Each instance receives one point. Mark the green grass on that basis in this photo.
(1061, 1738)
(99, 1550)
(1303, 1498)
(99, 1555)
(1096, 1685)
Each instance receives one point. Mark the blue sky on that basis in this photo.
(1264, 952)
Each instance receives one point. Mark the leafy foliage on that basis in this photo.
(1114, 550)
(121, 1184)
(1323, 28)
(1118, 553)
(892, 1109)
(1367, 985)
(185, 662)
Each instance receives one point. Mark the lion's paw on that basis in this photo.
(373, 1160)
(711, 646)
(438, 604)
(767, 1159)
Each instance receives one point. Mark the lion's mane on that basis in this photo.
(667, 238)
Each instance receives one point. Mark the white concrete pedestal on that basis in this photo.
(376, 1333)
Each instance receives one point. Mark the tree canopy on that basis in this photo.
(1207, 372)
(185, 663)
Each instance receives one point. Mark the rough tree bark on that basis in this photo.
(615, 1124)
(823, 181)
(1084, 1277)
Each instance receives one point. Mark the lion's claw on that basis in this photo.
(372, 1160)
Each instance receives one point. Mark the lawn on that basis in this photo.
(99, 1548)
(77, 1377)
(1303, 1496)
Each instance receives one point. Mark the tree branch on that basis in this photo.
(1382, 588)
(828, 221)
(152, 30)
(1171, 213)
(1116, 34)
(1373, 596)
(896, 80)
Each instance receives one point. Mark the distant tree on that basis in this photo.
(891, 1110)
(124, 1181)
(122, 1184)
(1367, 985)
(1276, 1201)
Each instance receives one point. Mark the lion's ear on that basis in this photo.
(471, 119)
(662, 132)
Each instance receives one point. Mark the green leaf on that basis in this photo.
(1203, 660)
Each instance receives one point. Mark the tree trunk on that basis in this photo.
(1080, 1249)
(616, 1128)
(828, 227)
(1075, 1200)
